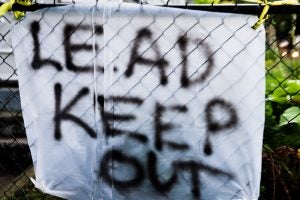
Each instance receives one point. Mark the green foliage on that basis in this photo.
(290, 115)
(283, 92)
(281, 155)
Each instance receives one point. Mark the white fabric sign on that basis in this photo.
(124, 101)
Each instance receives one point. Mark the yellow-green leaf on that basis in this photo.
(290, 115)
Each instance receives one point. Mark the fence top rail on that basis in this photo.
(254, 9)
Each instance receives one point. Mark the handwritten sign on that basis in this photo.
(126, 101)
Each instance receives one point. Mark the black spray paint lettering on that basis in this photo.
(214, 125)
(117, 156)
(151, 171)
(185, 80)
(160, 127)
(154, 176)
(64, 115)
(69, 48)
(137, 58)
(110, 117)
(196, 167)
(37, 61)
(193, 168)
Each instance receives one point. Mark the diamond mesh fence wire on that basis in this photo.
(281, 153)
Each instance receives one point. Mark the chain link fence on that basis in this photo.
(281, 172)
(14, 151)
(281, 155)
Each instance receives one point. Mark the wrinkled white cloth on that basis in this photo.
(123, 101)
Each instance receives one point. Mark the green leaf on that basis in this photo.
(292, 86)
(279, 95)
(268, 109)
(289, 92)
(272, 55)
(296, 99)
(271, 84)
(290, 115)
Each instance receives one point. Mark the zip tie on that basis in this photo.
(264, 14)
(7, 6)
(20, 14)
